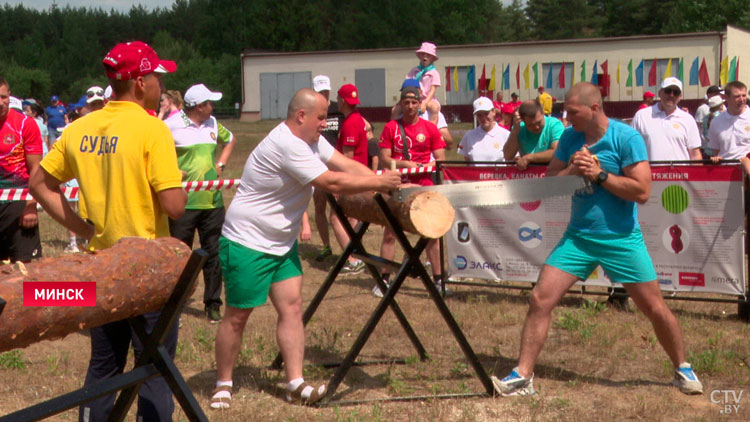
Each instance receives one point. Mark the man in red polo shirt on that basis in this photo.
(352, 143)
(20, 154)
(420, 141)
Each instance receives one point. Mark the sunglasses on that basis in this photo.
(95, 93)
(672, 91)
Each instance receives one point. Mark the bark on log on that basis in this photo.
(427, 213)
(132, 277)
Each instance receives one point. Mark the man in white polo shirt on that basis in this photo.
(196, 134)
(485, 142)
(669, 132)
(729, 133)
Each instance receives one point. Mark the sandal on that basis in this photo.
(313, 394)
(222, 397)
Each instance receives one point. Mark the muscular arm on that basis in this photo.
(173, 202)
(46, 189)
(540, 157)
(439, 155)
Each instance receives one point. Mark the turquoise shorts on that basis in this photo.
(248, 274)
(623, 257)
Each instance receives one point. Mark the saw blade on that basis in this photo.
(504, 192)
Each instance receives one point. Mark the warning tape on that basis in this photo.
(17, 194)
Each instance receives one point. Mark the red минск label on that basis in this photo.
(59, 293)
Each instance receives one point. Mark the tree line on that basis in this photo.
(59, 50)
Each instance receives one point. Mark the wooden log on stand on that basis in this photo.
(133, 277)
(426, 213)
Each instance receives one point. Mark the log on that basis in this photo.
(133, 277)
(426, 213)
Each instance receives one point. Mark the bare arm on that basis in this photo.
(348, 176)
(173, 202)
(226, 152)
(537, 157)
(29, 216)
(439, 155)
(511, 147)
(348, 152)
(633, 185)
(46, 189)
(695, 154)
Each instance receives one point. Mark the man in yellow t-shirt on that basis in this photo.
(545, 100)
(126, 166)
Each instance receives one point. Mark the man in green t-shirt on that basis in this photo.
(196, 134)
(533, 136)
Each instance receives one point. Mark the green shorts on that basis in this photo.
(623, 257)
(248, 274)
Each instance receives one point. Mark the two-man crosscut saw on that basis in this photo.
(503, 192)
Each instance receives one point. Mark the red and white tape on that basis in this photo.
(414, 170)
(72, 193)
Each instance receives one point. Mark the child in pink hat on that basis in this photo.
(429, 79)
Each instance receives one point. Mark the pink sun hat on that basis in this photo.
(429, 48)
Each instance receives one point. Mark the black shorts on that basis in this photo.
(16, 242)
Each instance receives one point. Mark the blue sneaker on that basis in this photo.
(514, 384)
(686, 380)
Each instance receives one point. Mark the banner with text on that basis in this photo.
(693, 226)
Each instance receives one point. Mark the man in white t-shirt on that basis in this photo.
(669, 132)
(729, 133)
(701, 113)
(485, 142)
(258, 247)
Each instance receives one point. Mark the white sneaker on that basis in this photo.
(71, 248)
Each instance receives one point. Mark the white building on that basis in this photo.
(270, 79)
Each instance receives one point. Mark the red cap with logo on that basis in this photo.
(349, 94)
(132, 59)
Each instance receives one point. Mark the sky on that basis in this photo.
(120, 5)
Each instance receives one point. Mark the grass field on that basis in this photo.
(599, 363)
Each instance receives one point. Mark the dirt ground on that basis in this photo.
(598, 364)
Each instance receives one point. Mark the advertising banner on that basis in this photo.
(693, 226)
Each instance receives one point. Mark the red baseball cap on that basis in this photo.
(349, 94)
(132, 59)
(648, 94)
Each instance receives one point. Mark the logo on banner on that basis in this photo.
(692, 279)
(675, 238)
(460, 262)
(463, 232)
(531, 206)
(530, 234)
(675, 199)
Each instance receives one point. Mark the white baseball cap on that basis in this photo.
(198, 94)
(483, 104)
(16, 103)
(671, 81)
(321, 83)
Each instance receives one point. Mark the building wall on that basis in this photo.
(340, 66)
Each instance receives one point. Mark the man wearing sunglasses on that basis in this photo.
(670, 132)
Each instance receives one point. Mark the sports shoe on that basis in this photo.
(71, 248)
(686, 380)
(325, 253)
(514, 385)
(350, 269)
(213, 314)
(439, 287)
(376, 290)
